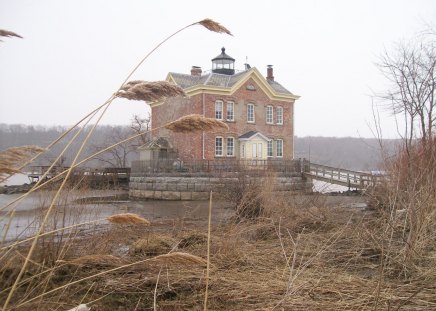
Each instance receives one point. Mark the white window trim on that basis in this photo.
(254, 114)
(277, 114)
(277, 155)
(222, 109)
(227, 146)
(233, 111)
(272, 115)
(222, 146)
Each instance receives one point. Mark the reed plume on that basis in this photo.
(179, 258)
(196, 122)
(149, 91)
(7, 33)
(11, 158)
(213, 26)
(127, 219)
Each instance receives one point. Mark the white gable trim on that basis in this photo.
(254, 135)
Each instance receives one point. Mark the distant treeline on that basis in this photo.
(346, 152)
(364, 154)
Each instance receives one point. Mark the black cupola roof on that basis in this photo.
(223, 64)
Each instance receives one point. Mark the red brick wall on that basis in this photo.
(189, 146)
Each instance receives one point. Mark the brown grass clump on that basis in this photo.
(152, 246)
(149, 91)
(127, 219)
(12, 158)
(7, 33)
(213, 26)
(92, 260)
(195, 122)
(179, 258)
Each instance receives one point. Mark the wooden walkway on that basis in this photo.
(109, 173)
(343, 177)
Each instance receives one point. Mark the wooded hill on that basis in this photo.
(345, 152)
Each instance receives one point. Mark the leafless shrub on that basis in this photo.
(407, 203)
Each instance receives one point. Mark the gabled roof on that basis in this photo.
(251, 134)
(227, 84)
(158, 143)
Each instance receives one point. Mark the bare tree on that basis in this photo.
(141, 125)
(410, 68)
(119, 155)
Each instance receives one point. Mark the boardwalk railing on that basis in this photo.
(215, 166)
(118, 173)
(344, 177)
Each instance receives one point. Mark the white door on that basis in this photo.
(259, 150)
(254, 150)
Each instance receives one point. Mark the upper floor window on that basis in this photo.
(279, 147)
(269, 149)
(230, 146)
(269, 114)
(219, 110)
(230, 111)
(218, 146)
(279, 115)
(250, 113)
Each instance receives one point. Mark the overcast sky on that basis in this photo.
(75, 54)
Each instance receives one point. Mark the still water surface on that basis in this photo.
(28, 213)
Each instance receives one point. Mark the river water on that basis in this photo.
(28, 213)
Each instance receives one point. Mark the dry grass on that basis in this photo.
(213, 26)
(13, 158)
(127, 218)
(149, 91)
(92, 260)
(305, 255)
(7, 33)
(194, 123)
(179, 258)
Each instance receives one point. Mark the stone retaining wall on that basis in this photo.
(197, 186)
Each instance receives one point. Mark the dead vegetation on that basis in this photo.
(301, 253)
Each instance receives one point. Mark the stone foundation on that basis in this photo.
(188, 186)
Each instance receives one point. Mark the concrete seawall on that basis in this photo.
(189, 186)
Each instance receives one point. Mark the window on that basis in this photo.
(279, 115)
(243, 150)
(219, 110)
(250, 113)
(230, 146)
(218, 146)
(230, 111)
(269, 114)
(279, 147)
(269, 149)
